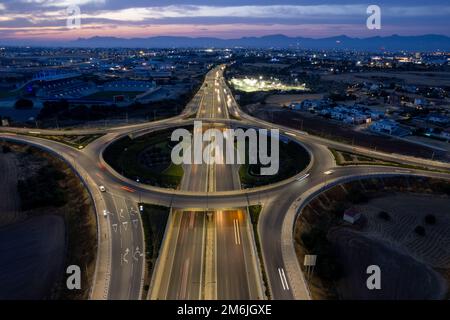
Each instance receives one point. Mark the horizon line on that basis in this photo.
(221, 38)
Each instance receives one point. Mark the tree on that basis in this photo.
(23, 104)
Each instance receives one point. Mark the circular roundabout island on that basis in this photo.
(148, 159)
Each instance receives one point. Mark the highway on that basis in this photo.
(208, 250)
(186, 276)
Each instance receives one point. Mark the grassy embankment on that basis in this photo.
(254, 212)
(75, 141)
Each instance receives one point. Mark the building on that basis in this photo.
(66, 88)
(390, 127)
(352, 215)
(384, 126)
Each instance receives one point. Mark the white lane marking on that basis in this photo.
(284, 281)
(125, 254)
(135, 222)
(125, 224)
(114, 227)
(237, 236)
(281, 277)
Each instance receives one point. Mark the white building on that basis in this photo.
(352, 215)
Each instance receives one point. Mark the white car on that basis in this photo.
(328, 172)
(102, 188)
(105, 213)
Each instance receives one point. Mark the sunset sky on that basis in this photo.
(46, 19)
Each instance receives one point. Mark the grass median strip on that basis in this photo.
(254, 212)
(154, 220)
(75, 141)
(344, 158)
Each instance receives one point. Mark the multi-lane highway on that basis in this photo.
(208, 251)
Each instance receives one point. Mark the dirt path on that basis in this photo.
(9, 198)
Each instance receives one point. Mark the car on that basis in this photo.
(328, 172)
(102, 188)
(105, 213)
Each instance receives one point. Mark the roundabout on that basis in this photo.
(146, 159)
(200, 188)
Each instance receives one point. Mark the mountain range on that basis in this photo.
(390, 43)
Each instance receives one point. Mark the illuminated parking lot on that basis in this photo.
(253, 85)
